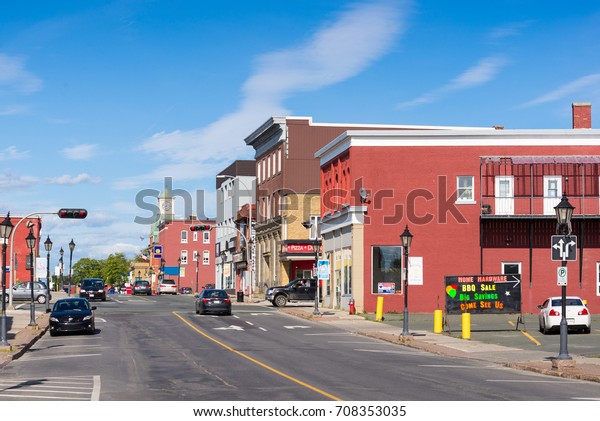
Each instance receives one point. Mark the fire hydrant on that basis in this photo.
(351, 304)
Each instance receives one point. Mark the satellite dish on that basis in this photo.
(363, 195)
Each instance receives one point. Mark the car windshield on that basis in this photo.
(76, 305)
(168, 282)
(216, 293)
(557, 302)
(93, 284)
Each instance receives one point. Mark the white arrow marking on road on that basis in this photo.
(261, 314)
(297, 327)
(232, 327)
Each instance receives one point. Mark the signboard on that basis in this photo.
(386, 288)
(157, 251)
(323, 270)
(561, 276)
(483, 294)
(564, 247)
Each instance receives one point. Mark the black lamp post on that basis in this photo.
(564, 212)
(48, 247)
(139, 277)
(197, 261)
(309, 225)
(406, 238)
(30, 240)
(6, 228)
(62, 267)
(71, 248)
(178, 273)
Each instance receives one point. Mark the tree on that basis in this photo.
(115, 268)
(87, 268)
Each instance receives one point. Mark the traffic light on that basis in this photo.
(200, 228)
(69, 213)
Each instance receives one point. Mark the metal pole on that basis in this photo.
(48, 282)
(405, 322)
(197, 260)
(563, 353)
(3, 341)
(32, 305)
(316, 246)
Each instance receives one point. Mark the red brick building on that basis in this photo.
(476, 202)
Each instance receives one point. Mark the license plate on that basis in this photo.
(91, 295)
(570, 321)
(217, 301)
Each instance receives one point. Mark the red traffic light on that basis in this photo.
(200, 228)
(69, 213)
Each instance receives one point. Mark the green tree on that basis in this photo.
(115, 266)
(87, 268)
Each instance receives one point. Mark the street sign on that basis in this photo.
(157, 251)
(564, 247)
(323, 270)
(561, 276)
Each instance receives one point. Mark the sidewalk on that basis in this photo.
(423, 338)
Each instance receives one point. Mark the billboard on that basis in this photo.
(483, 294)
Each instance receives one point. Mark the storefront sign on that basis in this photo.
(483, 294)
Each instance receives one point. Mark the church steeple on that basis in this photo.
(166, 202)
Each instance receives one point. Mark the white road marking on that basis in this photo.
(297, 327)
(231, 327)
(26, 358)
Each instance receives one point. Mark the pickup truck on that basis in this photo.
(296, 290)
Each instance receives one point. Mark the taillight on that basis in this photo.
(583, 312)
(554, 313)
(227, 300)
(205, 300)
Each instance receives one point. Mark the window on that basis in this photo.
(258, 173)
(183, 237)
(504, 202)
(196, 256)
(552, 193)
(314, 228)
(464, 189)
(279, 160)
(206, 237)
(184, 256)
(386, 262)
(511, 268)
(206, 257)
(195, 236)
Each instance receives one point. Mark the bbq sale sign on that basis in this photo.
(479, 294)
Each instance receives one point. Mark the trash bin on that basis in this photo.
(240, 296)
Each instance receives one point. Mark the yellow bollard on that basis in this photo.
(437, 321)
(379, 313)
(466, 325)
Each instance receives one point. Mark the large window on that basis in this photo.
(464, 189)
(184, 257)
(206, 257)
(184, 236)
(386, 264)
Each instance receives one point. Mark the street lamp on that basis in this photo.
(406, 238)
(48, 247)
(62, 267)
(178, 273)
(197, 261)
(564, 212)
(6, 228)
(71, 248)
(30, 240)
(308, 225)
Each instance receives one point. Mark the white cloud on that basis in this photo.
(8, 180)
(484, 71)
(80, 152)
(13, 74)
(13, 110)
(338, 51)
(12, 153)
(70, 180)
(582, 85)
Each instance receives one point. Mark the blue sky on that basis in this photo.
(101, 100)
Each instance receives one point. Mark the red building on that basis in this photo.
(17, 252)
(476, 202)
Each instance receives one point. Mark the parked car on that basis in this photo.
(141, 287)
(72, 315)
(577, 314)
(296, 290)
(213, 301)
(186, 290)
(167, 286)
(22, 292)
(92, 288)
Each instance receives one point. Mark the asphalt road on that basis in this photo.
(158, 349)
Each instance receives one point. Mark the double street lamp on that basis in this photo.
(6, 228)
(406, 238)
(48, 247)
(564, 213)
(31, 240)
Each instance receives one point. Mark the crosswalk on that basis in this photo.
(78, 388)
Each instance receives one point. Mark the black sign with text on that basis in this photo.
(483, 294)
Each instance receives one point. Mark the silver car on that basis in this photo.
(22, 292)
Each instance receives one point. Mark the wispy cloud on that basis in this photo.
(581, 85)
(70, 180)
(13, 110)
(508, 30)
(14, 75)
(483, 72)
(80, 152)
(341, 49)
(11, 153)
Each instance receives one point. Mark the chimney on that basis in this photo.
(582, 115)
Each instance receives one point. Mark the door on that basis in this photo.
(505, 201)
(552, 193)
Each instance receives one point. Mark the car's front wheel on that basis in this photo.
(280, 301)
(41, 299)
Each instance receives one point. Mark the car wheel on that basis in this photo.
(543, 328)
(41, 299)
(228, 313)
(6, 298)
(280, 301)
(103, 298)
(587, 329)
(52, 333)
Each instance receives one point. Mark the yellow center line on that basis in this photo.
(255, 361)
(531, 338)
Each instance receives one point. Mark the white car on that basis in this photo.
(167, 286)
(578, 315)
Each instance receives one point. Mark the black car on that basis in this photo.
(141, 287)
(213, 301)
(296, 290)
(92, 288)
(72, 315)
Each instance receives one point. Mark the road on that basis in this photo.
(158, 349)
